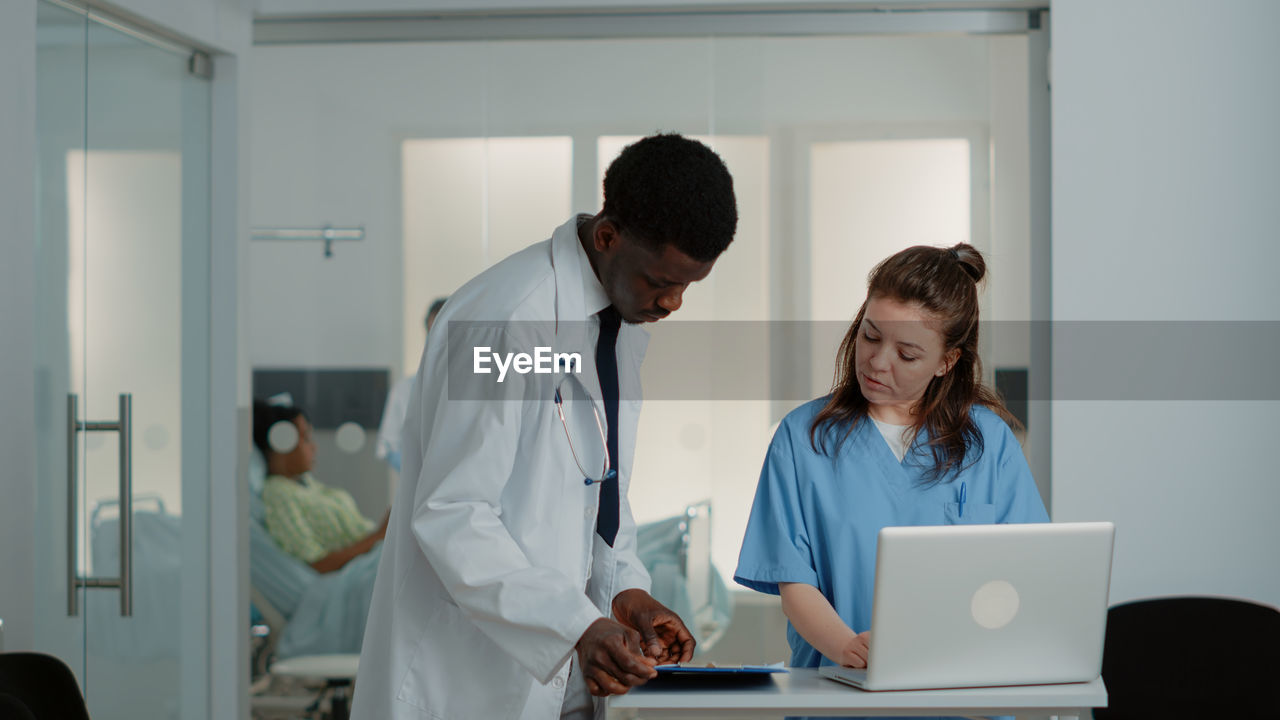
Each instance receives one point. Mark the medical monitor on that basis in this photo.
(695, 558)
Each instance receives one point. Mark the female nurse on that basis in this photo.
(908, 436)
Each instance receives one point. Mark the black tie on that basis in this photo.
(607, 368)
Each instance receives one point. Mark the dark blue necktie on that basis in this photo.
(607, 369)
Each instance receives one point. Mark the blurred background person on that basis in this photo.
(393, 413)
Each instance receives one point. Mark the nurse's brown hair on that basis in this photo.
(944, 282)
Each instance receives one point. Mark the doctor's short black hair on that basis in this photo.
(668, 189)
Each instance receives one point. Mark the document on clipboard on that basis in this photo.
(721, 670)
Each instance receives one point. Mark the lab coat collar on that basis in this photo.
(594, 297)
(575, 282)
(579, 296)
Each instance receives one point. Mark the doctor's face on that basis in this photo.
(644, 284)
(898, 352)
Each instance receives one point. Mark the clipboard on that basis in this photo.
(714, 677)
(677, 669)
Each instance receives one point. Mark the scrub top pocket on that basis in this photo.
(974, 514)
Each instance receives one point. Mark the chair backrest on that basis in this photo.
(1191, 657)
(11, 708)
(41, 686)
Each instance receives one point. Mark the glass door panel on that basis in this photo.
(123, 368)
(145, 178)
(60, 118)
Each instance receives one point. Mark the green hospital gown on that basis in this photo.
(310, 520)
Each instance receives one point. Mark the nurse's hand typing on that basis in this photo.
(663, 634)
(856, 651)
(611, 660)
(813, 617)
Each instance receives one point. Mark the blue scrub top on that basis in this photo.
(815, 518)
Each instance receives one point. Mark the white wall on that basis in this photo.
(1010, 292)
(1160, 112)
(329, 121)
(1166, 168)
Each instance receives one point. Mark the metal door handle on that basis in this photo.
(123, 426)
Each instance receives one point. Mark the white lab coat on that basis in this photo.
(480, 598)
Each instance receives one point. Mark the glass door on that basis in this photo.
(60, 116)
(124, 362)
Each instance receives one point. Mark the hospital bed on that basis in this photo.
(310, 624)
(132, 654)
(310, 613)
(315, 620)
(322, 613)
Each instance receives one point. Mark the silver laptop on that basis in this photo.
(987, 605)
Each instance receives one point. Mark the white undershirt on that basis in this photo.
(895, 435)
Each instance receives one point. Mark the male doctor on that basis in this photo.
(509, 585)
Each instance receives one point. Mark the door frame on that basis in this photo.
(227, 37)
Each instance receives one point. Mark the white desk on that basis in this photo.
(804, 692)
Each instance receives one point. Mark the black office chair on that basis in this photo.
(11, 708)
(38, 687)
(1191, 657)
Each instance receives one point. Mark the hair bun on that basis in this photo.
(970, 260)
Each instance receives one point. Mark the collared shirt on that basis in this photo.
(594, 298)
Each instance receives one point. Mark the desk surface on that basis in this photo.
(804, 692)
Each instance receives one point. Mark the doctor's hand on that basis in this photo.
(610, 658)
(663, 634)
(855, 652)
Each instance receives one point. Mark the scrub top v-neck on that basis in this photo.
(816, 516)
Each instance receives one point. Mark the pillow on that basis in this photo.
(257, 481)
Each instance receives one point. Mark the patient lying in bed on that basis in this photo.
(313, 556)
(325, 597)
(315, 523)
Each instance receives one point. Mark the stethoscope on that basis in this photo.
(607, 472)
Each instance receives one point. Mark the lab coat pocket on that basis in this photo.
(604, 564)
(457, 672)
(970, 513)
